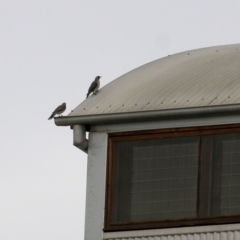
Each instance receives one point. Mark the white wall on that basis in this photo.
(96, 174)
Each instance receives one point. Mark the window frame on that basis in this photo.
(157, 134)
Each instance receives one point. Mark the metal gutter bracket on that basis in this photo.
(79, 137)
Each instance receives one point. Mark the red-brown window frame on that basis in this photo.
(157, 134)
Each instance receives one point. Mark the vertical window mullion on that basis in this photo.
(199, 174)
(205, 176)
(216, 172)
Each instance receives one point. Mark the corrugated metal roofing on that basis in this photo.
(202, 77)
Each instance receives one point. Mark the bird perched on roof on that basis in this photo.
(59, 110)
(94, 86)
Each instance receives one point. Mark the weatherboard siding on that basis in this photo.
(218, 232)
(202, 236)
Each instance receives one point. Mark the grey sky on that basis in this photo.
(50, 52)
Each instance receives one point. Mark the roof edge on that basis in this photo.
(195, 112)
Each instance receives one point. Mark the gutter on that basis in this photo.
(196, 112)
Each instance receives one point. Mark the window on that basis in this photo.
(175, 177)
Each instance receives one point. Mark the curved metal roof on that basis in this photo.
(202, 77)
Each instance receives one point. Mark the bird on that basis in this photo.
(94, 86)
(59, 110)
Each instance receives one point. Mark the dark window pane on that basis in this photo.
(221, 191)
(230, 174)
(155, 179)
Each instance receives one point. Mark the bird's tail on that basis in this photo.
(51, 116)
(88, 94)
